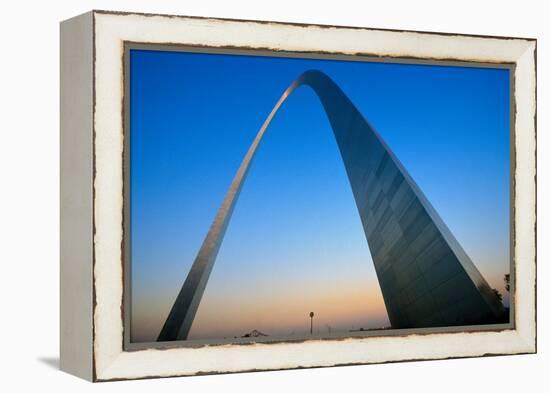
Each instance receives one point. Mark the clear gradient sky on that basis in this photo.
(295, 243)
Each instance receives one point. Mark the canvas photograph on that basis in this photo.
(286, 197)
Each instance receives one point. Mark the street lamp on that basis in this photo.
(311, 315)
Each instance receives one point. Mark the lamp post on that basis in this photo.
(311, 315)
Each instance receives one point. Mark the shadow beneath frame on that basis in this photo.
(52, 362)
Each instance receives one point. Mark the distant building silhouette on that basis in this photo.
(254, 333)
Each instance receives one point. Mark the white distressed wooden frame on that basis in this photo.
(92, 89)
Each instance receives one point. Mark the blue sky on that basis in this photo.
(295, 242)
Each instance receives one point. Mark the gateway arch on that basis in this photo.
(426, 278)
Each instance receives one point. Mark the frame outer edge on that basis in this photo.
(526, 197)
(76, 196)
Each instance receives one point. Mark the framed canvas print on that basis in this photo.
(243, 195)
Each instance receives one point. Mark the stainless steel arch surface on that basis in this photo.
(426, 278)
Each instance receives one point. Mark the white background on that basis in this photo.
(29, 196)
